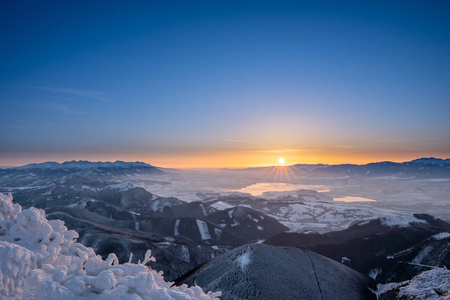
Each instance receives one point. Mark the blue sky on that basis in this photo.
(224, 83)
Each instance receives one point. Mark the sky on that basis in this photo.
(193, 84)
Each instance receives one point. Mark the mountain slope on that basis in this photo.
(263, 272)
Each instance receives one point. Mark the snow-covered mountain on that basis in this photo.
(262, 272)
(33, 175)
(83, 164)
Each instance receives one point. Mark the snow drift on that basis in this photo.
(41, 260)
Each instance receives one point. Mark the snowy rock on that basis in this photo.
(432, 284)
(41, 260)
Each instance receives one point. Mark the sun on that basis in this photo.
(281, 160)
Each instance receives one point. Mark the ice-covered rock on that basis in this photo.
(40, 259)
(432, 284)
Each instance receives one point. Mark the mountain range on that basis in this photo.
(245, 246)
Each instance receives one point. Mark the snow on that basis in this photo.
(428, 285)
(399, 253)
(82, 203)
(245, 205)
(175, 231)
(203, 209)
(159, 203)
(424, 253)
(441, 236)
(218, 232)
(260, 227)
(374, 273)
(244, 259)
(364, 223)
(41, 260)
(384, 288)
(344, 259)
(401, 221)
(185, 253)
(301, 217)
(203, 228)
(121, 187)
(221, 205)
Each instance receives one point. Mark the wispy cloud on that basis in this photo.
(240, 141)
(89, 94)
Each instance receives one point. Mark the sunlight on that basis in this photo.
(281, 160)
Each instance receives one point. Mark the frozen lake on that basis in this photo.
(354, 199)
(258, 189)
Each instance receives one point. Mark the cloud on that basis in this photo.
(89, 94)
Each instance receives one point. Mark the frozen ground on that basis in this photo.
(363, 197)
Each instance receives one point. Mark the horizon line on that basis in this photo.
(218, 168)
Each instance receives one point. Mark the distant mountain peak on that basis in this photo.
(84, 164)
(430, 160)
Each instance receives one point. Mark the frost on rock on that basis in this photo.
(41, 260)
(432, 284)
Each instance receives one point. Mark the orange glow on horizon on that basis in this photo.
(240, 159)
